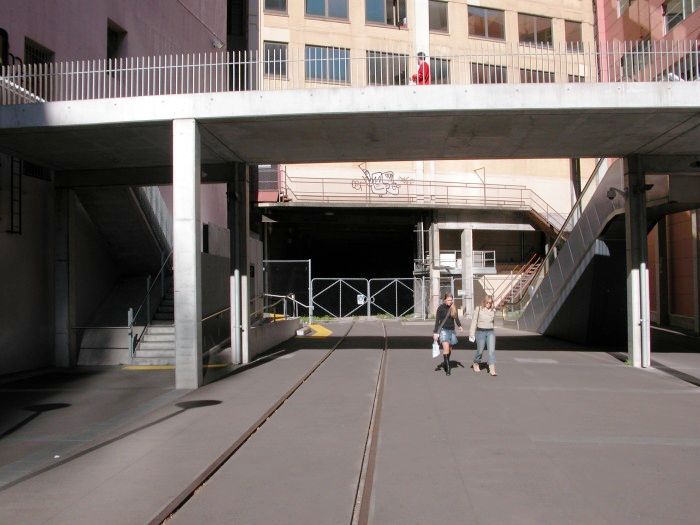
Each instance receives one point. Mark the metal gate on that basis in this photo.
(347, 297)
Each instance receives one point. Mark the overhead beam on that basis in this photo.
(142, 176)
(670, 164)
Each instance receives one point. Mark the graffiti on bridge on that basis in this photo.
(380, 183)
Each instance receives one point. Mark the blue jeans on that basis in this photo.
(485, 338)
(449, 336)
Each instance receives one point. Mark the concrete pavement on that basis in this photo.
(564, 434)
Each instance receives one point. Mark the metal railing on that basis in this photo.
(132, 316)
(297, 67)
(515, 310)
(405, 190)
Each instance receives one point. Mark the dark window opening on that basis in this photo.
(437, 16)
(35, 53)
(276, 5)
(535, 30)
(486, 23)
(390, 12)
(115, 40)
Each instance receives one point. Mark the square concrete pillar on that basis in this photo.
(695, 218)
(421, 28)
(467, 247)
(435, 299)
(187, 248)
(65, 347)
(638, 310)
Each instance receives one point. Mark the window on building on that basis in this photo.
(576, 79)
(327, 64)
(327, 8)
(487, 74)
(35, 53)
(115, 40)
(573, 35)
(534, 76)
(675, 11)
(4, 51)
(275, 59)
(387, 69)
(622, 6)
(487, 23)
(439, 70)
(276, 5)
(535, 30)
(437, 16)
(391, 12)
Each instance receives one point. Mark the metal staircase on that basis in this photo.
(524, 276)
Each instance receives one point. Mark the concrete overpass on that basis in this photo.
(175, 138)
(363, 124)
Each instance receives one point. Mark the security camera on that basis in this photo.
(613, 192)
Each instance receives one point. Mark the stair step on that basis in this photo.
(154, 353)
(164, 317)
(153, 361)
(161, 329)
(158, 338)
(166, 309)
(156, 345)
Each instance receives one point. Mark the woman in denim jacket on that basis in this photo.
(445, 319)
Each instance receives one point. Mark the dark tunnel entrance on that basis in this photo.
(345, 242)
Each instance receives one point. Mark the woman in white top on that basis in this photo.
(482, 330)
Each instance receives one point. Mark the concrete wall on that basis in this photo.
(76, 30)
(26, 277)
(92, 271)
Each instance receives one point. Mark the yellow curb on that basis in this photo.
(320, 331)
(166, 367)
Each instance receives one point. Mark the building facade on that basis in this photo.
(477, 202)
(673, 243)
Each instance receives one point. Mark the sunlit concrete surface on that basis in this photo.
(564, 434)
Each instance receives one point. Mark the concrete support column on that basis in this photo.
(187, 241)
(434, 267)
(421, 27)
(467, 272)
(695, 218)
(662, 283)
(65, 351)
(638, 332)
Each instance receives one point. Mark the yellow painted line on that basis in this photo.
(149, 367)
(320, 331)
(166, 367)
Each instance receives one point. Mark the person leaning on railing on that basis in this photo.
(482, 331)
(422, 77)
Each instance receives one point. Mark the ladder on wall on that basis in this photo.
(16, 169)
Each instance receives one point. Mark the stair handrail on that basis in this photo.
(513, 311)
(132, 316)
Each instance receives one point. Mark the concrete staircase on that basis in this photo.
(157, 344)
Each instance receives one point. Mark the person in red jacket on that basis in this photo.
(423, 75)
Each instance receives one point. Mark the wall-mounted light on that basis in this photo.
(216, 43)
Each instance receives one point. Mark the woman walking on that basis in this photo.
(482, 330)
(445, 319)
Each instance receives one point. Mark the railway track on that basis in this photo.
(361, 506)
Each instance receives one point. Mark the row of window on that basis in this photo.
(483, 22)
(332, 64)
